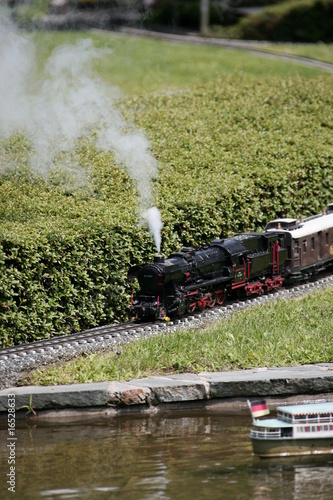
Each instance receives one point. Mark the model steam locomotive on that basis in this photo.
(287, 251)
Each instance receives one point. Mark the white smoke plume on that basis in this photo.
(153, 217)
(65, 103)
(17, 59)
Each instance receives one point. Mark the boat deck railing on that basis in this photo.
(265, 434)
(307, 419)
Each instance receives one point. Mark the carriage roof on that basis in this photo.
(299, 229)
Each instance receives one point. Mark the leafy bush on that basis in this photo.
(294, 21)
(64, 256)
(233, 154)
(237, 152)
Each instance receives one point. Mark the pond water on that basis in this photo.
(189, 455)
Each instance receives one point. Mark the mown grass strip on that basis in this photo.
(319, 51)
(281, 333)
(139, 65)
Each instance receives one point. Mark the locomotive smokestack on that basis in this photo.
(158, 259)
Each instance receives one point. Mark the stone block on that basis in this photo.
(123, 393)
(63, 396)
(175, 388)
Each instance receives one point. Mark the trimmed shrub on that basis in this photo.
(295, 21)
(186, 14)
(64, 256)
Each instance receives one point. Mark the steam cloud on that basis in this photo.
(153, 217)
(66, 103)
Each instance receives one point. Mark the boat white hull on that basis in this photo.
(285, 447)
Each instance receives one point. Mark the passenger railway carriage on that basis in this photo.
(288, 251)
(309, 243)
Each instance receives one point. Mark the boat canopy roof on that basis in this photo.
(307, 409)
(271, 423)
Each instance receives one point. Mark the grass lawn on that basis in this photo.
(282, 333)
(320, 51)
(140, 65)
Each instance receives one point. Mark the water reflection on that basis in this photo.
(184, 456)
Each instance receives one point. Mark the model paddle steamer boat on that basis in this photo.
(303, 429)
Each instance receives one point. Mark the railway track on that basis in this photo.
(87, 336)
(16, 360)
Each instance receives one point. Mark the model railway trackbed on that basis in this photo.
(100, 333)
(23, 358)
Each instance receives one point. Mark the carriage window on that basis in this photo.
(326, 239)
(305, 244)
(312, 243)
(296, 248)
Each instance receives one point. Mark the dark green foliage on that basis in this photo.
(294, 21)
(64, 256)
(66, 281)
(238, 152)
(186, 14)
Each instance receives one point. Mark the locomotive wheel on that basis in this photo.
(163, 313)
(192, 306)
(202, 304)
(220, 297)
(211, 299)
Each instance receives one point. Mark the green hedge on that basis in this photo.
(294, 21)
(237, 152)
(64, 282)
(233, 154)
(64, 256)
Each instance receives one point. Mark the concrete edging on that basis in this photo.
(159, 392)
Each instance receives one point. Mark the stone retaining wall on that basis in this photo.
(174, 391)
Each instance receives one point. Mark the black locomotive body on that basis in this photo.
(248, 263)
(193, 279)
